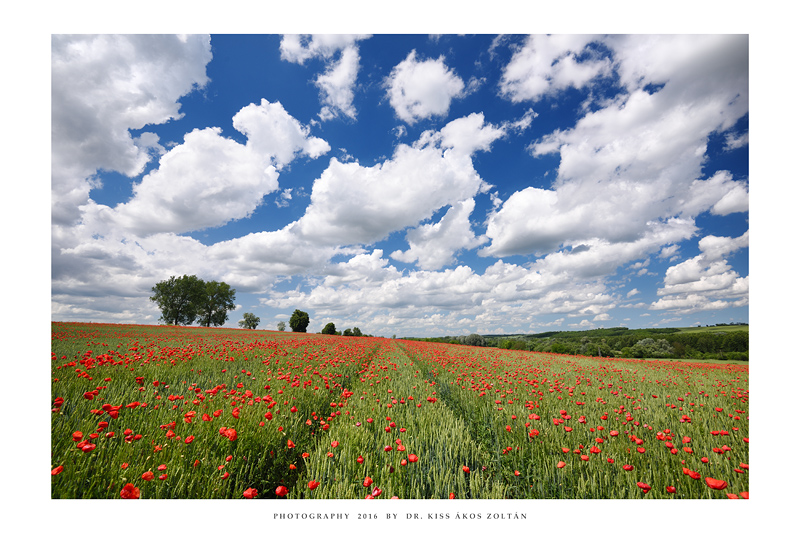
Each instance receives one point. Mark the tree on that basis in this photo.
(299, 321)
(357, 332)
(648, 347)
(249, 321)
(217, 299)
(473, 339)
(178, 299)
(347, 333)
(329, 329)
(281, 326)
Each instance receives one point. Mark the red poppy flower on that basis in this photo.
(335, 443)
(189, 439)
(57, 470)
(376, 492)
(412, 458)
(77, 436)
(644, 486)
(367, 481)
(716, 484)
(129, 492)
(250, 493)
(290, 444)
(465, 469)
(691, 473)
(148, 476)
(313, 484)
(281, 491)
(561, 464)
(671, 489)
(162, 467)
(627, 467)
(452, 496)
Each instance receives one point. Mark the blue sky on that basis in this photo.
(417, 185)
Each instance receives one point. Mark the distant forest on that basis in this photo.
(720, 342)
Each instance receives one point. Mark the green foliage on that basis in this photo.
(473, 339)
(299, 321)
(179, 299)
(355, 332)
(648, 347)
(281, 326)
(215, 302)
(185, 299)
(249, 321)
(329, 329)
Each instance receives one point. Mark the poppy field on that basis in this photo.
(161, 412)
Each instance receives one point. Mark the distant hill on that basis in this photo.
(720, 341)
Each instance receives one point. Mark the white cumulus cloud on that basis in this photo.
(420, 89)
(337, 84)
(546, 64)
(639, 159)
(209, 179)
(706, 281)
(433, 246)
(103, 86)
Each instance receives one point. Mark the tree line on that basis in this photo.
(620, 342)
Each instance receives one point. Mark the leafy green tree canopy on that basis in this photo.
(178, 299)
(299, 321)
(281, 326)
(249, 321)
(184, 299)
(216, 301)
(473, 339)
(329, 329)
